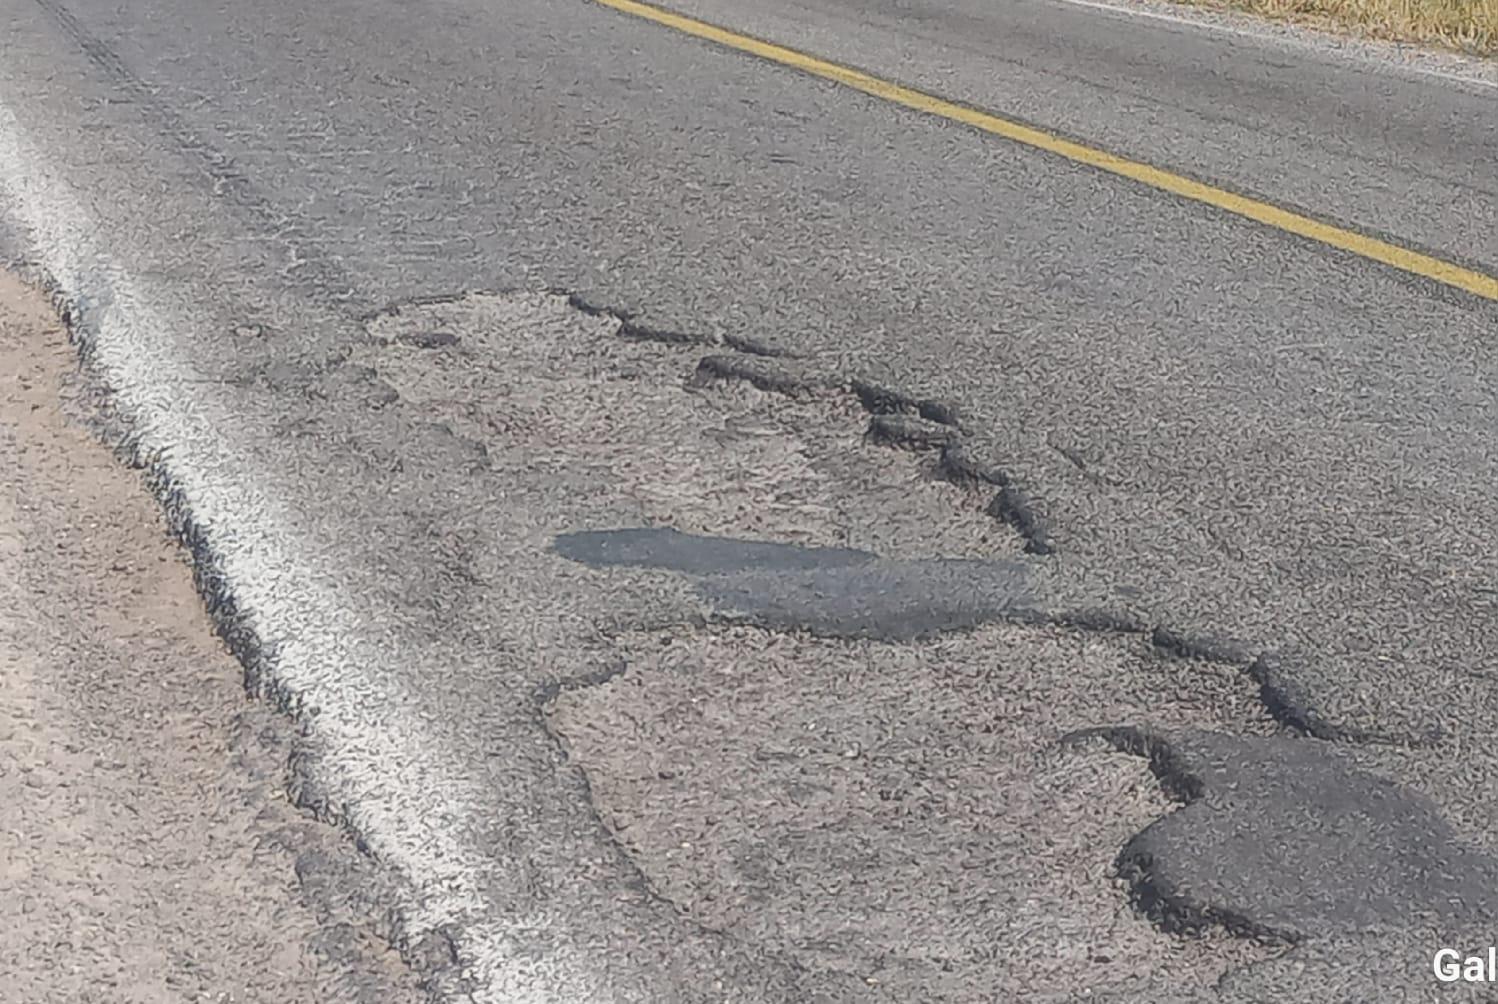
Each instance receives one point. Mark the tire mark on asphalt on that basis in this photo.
(321, 276)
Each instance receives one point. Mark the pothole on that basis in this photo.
(899, 810)
(550, 389)
(904, 812)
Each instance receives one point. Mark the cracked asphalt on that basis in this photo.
(721, 536)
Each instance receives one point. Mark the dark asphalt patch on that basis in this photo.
(1281, 838)
(1296, 689)
(694, 554)
(850, 593)
(892, 648)
(1278, 839)
(884, 600)
(830, 591)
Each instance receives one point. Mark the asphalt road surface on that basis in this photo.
(729, 528)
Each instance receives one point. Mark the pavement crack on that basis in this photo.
(1277, 675)
(597, 678)
(849, 593)
(776, 377)
(755, 347)
(1279, 690)
(909, 432)
(639, 331)
(1013, 506)
(903, 420)
(1289, 702)
(632, 327)
(1077, 459)
(1208, 648)
(880, 400)
(897, 418)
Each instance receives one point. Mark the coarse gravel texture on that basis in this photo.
(735, 488)
(906, 813)
(149, 852)
(547, 388)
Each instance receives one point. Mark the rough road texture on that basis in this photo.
(781, 760)
(754, 805)
(799, 782)
(903, 812)
(148, 853)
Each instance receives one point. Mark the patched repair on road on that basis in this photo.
(824, 712)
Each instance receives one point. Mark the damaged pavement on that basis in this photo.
(849, 557)
(840, 699)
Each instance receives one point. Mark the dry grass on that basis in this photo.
(1469, 26)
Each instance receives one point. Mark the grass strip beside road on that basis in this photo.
(1469, 26)
(1267, 214)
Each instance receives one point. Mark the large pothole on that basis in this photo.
(902, 812)
(551, 390)
(818, 685)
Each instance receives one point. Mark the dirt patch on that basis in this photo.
(149, 852)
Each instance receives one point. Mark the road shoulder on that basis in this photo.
(150, 852)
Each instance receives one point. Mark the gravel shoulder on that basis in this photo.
(148, 851)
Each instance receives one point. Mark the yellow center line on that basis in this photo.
(1371, 248)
